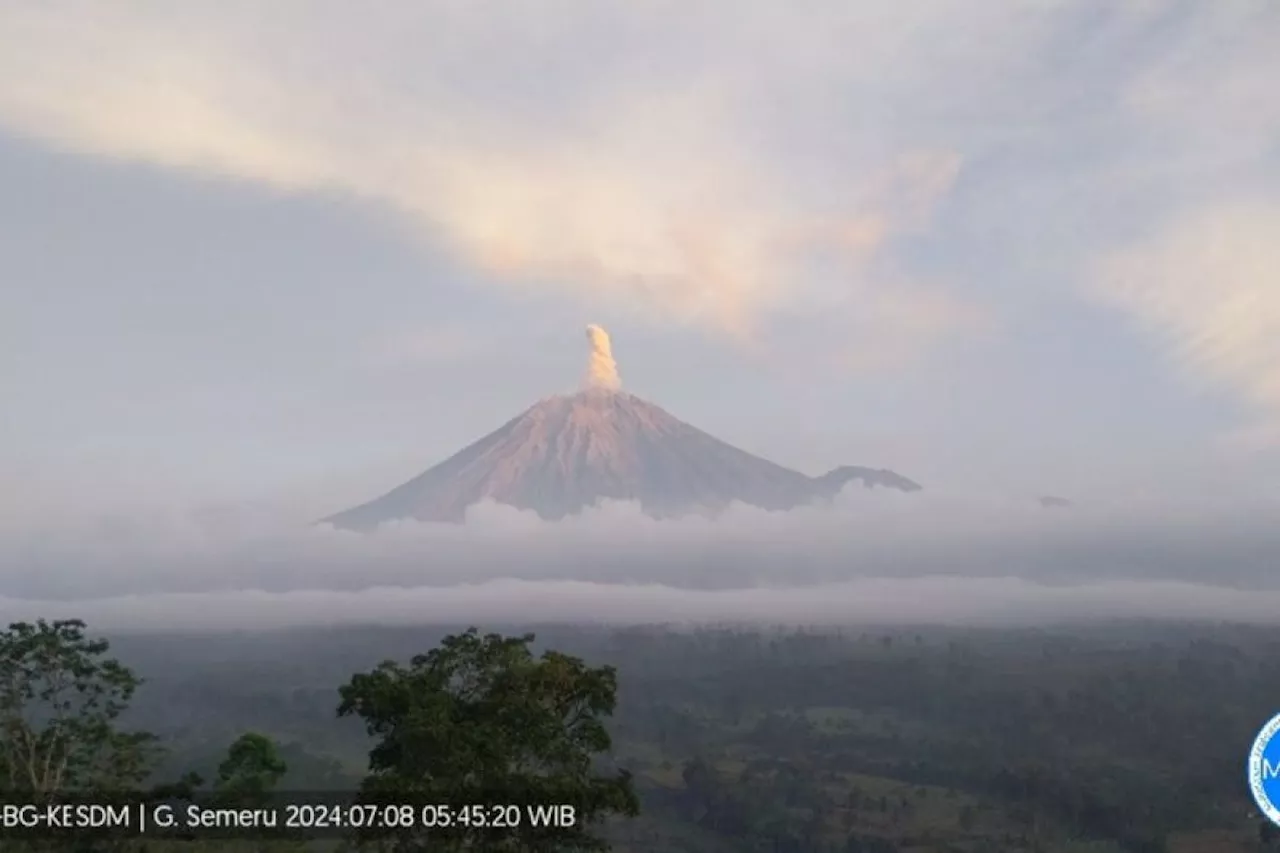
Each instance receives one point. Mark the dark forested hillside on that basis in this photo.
(1109, 738)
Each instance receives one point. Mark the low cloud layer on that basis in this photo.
(928, 557)
(940, 601)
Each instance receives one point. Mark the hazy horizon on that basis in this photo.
(258, 265)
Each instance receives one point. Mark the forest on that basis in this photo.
(1099, 738)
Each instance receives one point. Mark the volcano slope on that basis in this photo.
(571, 452)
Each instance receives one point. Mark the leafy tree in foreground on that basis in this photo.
(250, 771)
(60, 696)
(480, 720)
(246, 779)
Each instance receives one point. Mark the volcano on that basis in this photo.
(571, 452)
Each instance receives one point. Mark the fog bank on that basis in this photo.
(872, 554)
(1010, 602)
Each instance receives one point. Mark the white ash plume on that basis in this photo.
(602, 370)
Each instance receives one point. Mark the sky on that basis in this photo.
(268, 260)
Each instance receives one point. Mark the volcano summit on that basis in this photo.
(568, 453)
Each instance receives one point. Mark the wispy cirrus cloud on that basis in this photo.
(623, 155)
(1203, 279)
(1207, 288)
(726, 164)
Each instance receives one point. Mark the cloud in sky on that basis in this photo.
(935, 600)
(1208, 90)
(869, 177)
(1208, 288)
(869, 543)
(624, 155)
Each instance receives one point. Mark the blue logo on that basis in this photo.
(1264, 770)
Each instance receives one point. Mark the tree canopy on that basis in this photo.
(60, 697)
(251, 770)
(480, 720)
